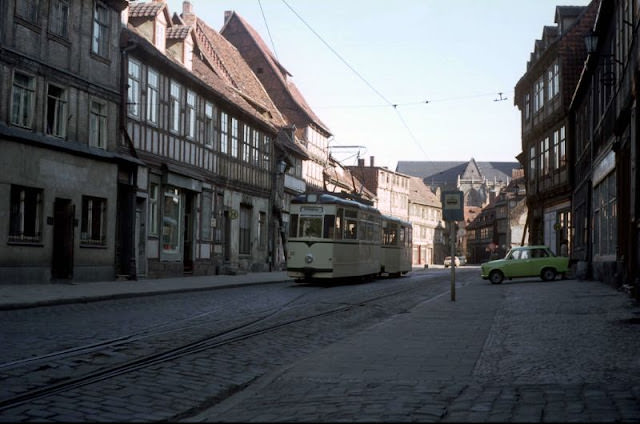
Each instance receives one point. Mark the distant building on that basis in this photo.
(425, 214)
(391, 188)
(479, 181)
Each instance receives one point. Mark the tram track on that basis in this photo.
(268, 321)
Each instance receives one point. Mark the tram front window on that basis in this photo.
(310, 226)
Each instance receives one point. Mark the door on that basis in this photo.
(63, 220)
(187, 247)
(140, 239)
(227, 236)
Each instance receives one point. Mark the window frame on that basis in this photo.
(93, 231)
(244, 229)
(101, 30)
(190, 114)
(153, 95)
(26, 96)
(21, 217)
(175, 96)
(134, 84)
(210, 125)
(59, 18)
(28, 10)
(56, 113)
(98, 135)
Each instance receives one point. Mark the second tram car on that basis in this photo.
(331, 237)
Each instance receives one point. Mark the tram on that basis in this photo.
(332, 237)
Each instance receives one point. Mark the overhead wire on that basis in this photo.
(264, 18)
(368, 84)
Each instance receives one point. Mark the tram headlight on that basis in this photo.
(308, 258)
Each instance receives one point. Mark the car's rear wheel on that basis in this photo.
(548, 274)
(496, 277)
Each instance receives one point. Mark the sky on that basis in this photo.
(403, 80)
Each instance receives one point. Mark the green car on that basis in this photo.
(526, 261)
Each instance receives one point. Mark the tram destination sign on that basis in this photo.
(452, 205)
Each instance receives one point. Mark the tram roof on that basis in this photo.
(327, 199)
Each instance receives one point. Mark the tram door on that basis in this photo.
(62, 258)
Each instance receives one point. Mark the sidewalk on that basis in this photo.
(17, 296)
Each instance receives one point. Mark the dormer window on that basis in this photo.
(160, 37)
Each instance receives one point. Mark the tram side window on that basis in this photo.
(293, 225)
(339, 221)
(401, 236)
(329, 226)
(351, 225)
(391, 234)
(311, 226)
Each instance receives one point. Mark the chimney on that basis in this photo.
(371, 161)
(187, 13)
(361, 163)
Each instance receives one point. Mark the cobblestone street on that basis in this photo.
(524, 351)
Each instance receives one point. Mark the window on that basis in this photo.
(532, 167)
(266, 149)
(218, 212)
(562, 163)
(538, 95)
(25, 220)
(94, 212)
(28, 10)
(171, 221)
(153, 98)
(245, 230)
(351, 225)
(234, 137)
(23, 100)
(553, 81)
(175, 107)
(191, 114)
(246, 144)
(556, 150)
(605, 216)
(527, 107)
(210, 125)
(98, 125)
(153, 209)
(59, 18)
(224, 133)
(100, 41)
(56, 124)
(255, 148)
(206, 211)
(133, 91)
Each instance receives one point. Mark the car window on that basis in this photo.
(524, 254)
(539, 253)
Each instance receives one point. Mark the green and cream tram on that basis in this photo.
(331, 237)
